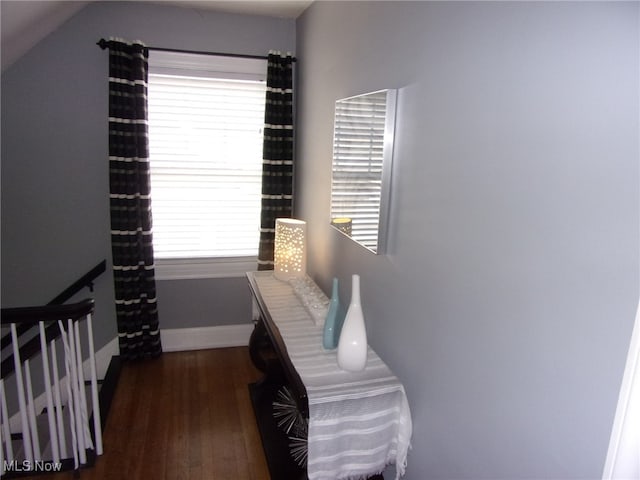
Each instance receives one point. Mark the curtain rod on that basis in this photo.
(103, 44)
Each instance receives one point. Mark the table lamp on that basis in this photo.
(342, 224)
(290, 250)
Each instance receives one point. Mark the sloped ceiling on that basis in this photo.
(25, 23)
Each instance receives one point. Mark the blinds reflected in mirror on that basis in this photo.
(362, 155)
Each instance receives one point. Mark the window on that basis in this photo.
(206, 115)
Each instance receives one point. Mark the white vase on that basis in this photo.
(352, 347)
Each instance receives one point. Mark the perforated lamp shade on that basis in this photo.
(342, 224)
(290, 253)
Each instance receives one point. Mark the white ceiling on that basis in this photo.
(25, 23)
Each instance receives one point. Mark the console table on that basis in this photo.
(358, 423)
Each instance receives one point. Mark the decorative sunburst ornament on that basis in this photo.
(299, 449)
(293, 423)
(285, 410)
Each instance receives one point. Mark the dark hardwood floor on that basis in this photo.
(185, 415)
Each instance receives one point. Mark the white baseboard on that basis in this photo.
(200, 338)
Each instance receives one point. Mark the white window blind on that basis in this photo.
(358, 154)
(205, 146)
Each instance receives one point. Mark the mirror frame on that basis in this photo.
(385, 174)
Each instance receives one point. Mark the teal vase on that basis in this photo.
(333, 321)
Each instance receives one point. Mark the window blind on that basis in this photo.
(358, 153)
(205, 148)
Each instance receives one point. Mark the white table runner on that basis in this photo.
(358, 422)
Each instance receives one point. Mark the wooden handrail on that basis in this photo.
(33, 315)
(30, 316)
(85, 281)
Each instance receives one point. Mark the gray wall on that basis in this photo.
(507, 300)
(204, 302)
(55, 211)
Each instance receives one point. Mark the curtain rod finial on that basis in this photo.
(102, 43)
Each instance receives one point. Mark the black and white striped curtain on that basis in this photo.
(131, 239)
(277, 163)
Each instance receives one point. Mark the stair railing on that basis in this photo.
(86, 281)
(57, 343)
(66, 319)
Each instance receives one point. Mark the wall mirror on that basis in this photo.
(361, 169)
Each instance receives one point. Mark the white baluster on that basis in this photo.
(97, 421)
(62, 436)
(76, 393)
(26, 435)
(70, 399)
(31, 408)
(53, 431)
(86, 433)
(6, 429)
